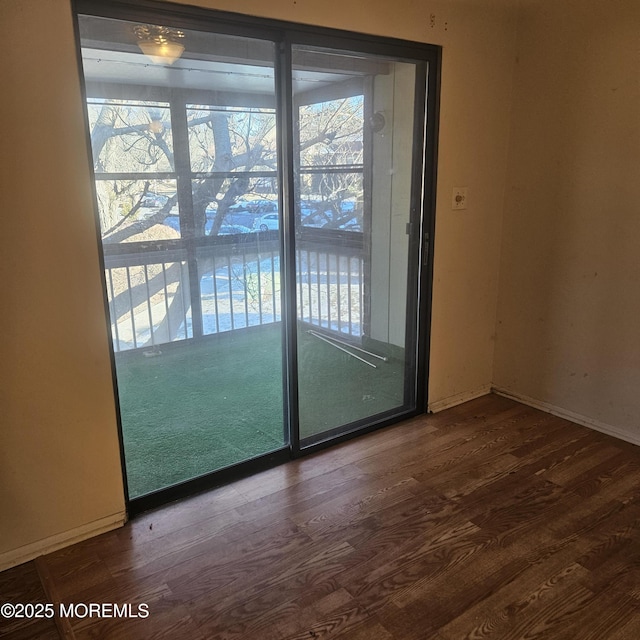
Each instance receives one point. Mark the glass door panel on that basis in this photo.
(197, 189)
(354, 130)
(184, 149)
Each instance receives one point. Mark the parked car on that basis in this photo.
(254, 205)
(321, 214)
(267, 222)
(241, 206)
(263, 206)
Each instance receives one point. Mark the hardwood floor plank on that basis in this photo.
(554, 615)
(577, 465)
(370, 629)
(373, 585)
(456, 483)
(220, 573)
(341, 622)
(305, 492)
(77, 571)
(198, 510)
(286, 580)
(165, 625)
(352, 506)
(22, 585)
(490, 520)
(553, 433)
(614, 469)
(500, 607)
(629, 631)
(607, 614)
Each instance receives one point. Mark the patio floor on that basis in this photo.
(200, 406)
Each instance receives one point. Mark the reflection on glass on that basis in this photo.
(353, 189)
(231, 139)
(130, 136)
(331, 132)
(236, 151)
(331, 200)
(331, 163)
(137, 210)
(235, 205)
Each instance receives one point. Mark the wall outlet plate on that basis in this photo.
(459, 197)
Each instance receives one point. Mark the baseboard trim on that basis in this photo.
(31, 551)
(584, 421)
(459, 398)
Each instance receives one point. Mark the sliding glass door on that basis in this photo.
(261, 202)
(185, 162)
(355, 125)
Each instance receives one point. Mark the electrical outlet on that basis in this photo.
(459, 198)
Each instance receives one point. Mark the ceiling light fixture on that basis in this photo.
(160, 44)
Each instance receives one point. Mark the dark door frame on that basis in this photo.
(427, 99)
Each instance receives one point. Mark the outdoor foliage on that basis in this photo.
(133, 150)
(230, 159)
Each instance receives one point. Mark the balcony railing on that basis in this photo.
(150, 297)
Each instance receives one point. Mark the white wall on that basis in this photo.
(568, 335)
(60, 468)
(393, 96)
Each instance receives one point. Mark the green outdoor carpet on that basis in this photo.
(202, 406)
(335, 388)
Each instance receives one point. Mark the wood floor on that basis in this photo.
(490, 520)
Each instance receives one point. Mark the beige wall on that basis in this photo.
(59, 459)
(60, 467)
(568, 333)
(477, 73)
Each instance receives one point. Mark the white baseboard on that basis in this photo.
(28, 552)
(459, 398)
(584, 421)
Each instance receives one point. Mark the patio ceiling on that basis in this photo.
(211, 61)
